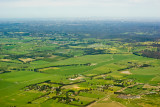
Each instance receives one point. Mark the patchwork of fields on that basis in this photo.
(53, 69)
(81, 81)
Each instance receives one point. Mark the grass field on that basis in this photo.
(37, 72)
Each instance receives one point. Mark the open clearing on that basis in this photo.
(78, 78)
(149, 86)
(5, 60)
(26, 60)
(71, 87)
(126, 72)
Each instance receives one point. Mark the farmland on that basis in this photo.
(68, 69)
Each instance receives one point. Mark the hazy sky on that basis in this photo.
(78, 8)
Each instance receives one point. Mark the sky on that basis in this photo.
(79, 8)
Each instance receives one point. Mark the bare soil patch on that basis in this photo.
(106, 99)
(149, 86)
(5, 60)
(126, 72)
(39, 57)
(26, 60)
(53, 56)
(75, 86)
(93, 64)
(129, 96)
(78, 78)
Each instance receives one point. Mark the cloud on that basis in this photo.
(79, 8)
(58, 3)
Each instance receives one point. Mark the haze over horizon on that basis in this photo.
(79, 8)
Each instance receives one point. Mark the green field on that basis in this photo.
(57, 71)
